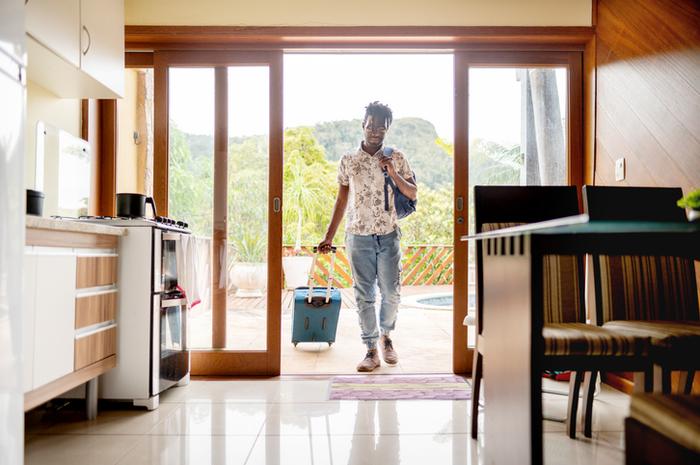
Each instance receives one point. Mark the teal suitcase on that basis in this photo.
(315, 314)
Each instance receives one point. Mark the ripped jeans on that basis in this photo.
(375, 260)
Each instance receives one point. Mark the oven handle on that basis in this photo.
(168, 236)
(166, 303)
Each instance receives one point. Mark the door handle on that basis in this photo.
(276, 203)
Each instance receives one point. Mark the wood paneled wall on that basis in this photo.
(648, 95)
(648, 92)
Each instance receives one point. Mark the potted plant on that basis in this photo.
(691, 202)
(247, 264)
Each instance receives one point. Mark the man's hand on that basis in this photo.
(325, 245)
(388, 163)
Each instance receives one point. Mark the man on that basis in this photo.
(371, 232)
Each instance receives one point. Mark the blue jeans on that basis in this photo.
(375, 260)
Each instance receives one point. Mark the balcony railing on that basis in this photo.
(422, 265)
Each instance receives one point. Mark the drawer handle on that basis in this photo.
(89, 40)
(94, 329)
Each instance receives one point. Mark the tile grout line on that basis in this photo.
(255, 441)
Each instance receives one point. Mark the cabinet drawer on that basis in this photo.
(96, 271)
(94, 347)
(93, 309)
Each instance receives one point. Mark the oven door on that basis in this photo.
(174, 353)
(168, 265)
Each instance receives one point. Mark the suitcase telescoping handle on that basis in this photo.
(330, 275)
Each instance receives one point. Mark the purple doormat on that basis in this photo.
(399, 387)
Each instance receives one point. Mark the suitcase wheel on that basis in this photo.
(295, 343)
(330, 344)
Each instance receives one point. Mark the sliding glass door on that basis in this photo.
(518, 122)
(221, 166)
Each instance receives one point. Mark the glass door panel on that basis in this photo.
(190, 178)
(517, 136)
(248, 194)
(221, 112)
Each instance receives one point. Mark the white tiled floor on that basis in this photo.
(289, 421)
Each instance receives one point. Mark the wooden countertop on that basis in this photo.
(38, 222)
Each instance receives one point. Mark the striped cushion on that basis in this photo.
(648, 288)
(584, 339)
(675, 416)
(682, 336)
(561, 292)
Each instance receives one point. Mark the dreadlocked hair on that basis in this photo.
(379, 112)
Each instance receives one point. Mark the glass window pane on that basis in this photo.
(248, 167)
(190, 178)
(517, 134)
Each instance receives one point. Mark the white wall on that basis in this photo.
(359, 12)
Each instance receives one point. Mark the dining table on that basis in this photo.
(512, 319)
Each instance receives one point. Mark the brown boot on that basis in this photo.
(370, 362)
(390, 355)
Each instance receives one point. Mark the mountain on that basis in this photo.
(415, 137)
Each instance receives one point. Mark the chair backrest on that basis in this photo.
(605, 203)
(641, 287)
(497, 207)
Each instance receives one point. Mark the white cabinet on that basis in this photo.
(54, 314)
(56, 25)
(28, 297)
(76, 47)
(102, 42)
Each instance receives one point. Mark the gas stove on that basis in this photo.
(160, 222)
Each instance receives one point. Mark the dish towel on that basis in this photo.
(188, 267)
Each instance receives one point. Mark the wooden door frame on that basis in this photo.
(142, 41)
(219, 360)
(576, 149)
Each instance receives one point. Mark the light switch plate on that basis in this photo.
(620, 169)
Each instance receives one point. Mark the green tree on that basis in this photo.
(190, 183)
(309, 186)
(248, 163)
(432, 221)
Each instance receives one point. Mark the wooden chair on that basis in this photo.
(570, 343)
(648, 296)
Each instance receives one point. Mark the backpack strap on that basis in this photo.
(388, 152)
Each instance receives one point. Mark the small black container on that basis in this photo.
(35, 202)
(134, 205)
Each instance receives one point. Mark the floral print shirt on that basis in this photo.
(361, 172)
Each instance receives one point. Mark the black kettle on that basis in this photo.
(134, 205)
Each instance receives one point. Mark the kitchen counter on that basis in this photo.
(38, 222)
(70, 307)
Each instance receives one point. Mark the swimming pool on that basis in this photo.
(441, 301)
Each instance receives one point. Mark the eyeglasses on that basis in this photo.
(375, 128)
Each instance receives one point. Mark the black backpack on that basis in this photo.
(403, 205)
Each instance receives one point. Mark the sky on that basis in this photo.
(328, 87)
